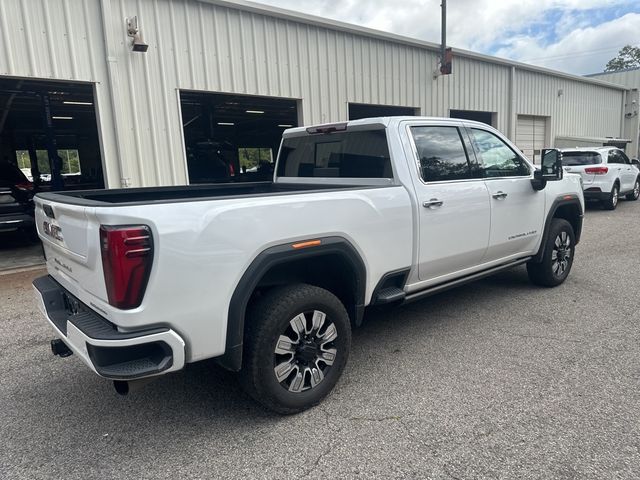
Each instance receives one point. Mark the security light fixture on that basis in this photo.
(61, 118)
(226, 123)
(254, 111)
(73, 102)
(285, 126)
(137, 45)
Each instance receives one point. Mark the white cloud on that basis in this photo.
(518, 29)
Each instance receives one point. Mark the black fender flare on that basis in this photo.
(275, 256)
(557, 203)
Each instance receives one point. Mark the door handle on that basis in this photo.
(434, 202)
(499, 195)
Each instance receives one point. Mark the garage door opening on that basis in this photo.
(49, 131)
(233, 138)
(362, 110)
(475, 115)
(531, 136)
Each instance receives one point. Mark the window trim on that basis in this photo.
(481, 160)
(416, 157)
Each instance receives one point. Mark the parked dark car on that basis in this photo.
(16, 200)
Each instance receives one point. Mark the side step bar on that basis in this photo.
(462, 281)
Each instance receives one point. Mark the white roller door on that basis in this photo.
(530, 136)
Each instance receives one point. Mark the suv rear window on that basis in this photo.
(359, 154)
(580, 158)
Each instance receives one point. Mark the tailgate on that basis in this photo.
(71, 239)
(587, 178)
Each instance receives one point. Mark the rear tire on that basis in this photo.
(635, 194)
(296, 345)
(559, 248)
(612, 201)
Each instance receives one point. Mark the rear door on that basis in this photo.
(453, 201)
(517, 210)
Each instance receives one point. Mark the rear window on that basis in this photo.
(580, 158)
(360, 154)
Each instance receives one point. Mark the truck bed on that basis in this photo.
(150, 195)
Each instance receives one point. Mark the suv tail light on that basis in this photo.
(596, 170)
(26, 186)
(127, 255)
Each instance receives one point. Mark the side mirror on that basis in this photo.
(551, 165)
(636, 162)
(550, 170)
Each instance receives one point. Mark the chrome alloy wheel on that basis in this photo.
(561, 254)
(636, 189)
(305, 351)
(614, 196)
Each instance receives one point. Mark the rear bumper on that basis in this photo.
(108, 352)
(595, 193)
(16, 220)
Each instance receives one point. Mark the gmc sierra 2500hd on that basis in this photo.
(271, 277)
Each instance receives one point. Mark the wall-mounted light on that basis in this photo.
(285, 126)
(61, 118)
(73, 102)
(255, 111)
(137, 45)
(560, 92)
(226, 124)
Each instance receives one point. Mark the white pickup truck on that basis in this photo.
(270, 278)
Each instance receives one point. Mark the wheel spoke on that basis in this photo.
(558, 241)
(316, 376)
(299, 325)
(327, 356)
(329, 335)
(297, 384)
(285, 345)
(554, 255)
(318, 320)
(567, 243)
(563, 238)
(284, 369)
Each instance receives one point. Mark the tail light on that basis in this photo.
(597, 170)
(26, 186)
(127, 255)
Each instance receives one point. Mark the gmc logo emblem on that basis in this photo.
(54, 231)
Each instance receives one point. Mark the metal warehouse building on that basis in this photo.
(220, 81)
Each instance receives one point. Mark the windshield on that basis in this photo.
(580, 158)
(359, 154)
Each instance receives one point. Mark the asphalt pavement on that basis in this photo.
(497, 379)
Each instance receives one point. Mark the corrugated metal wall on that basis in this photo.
(199, 45)
(629, 78)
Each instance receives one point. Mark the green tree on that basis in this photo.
(628, 57)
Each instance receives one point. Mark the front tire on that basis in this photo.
(612, 201)
(559, 248)
(296, 345)
(635, 194)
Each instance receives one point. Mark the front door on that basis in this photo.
(453, 202)
(517, 210)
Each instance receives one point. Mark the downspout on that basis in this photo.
(111, 81)
(512, 104)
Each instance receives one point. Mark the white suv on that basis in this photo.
(606, 173)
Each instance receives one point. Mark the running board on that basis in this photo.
(461, 281)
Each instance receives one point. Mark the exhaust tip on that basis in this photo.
(121, 386)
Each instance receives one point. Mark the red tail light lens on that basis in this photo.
(597, 170)
(127, 255)
(26, 186)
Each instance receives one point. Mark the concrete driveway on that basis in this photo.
(497, 379)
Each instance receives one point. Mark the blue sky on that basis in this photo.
(576, 36)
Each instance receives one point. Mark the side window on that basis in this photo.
(625, 159)
(615, 157)
(498, 159)
(441, 153)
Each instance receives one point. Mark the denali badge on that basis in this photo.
(53, 231)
